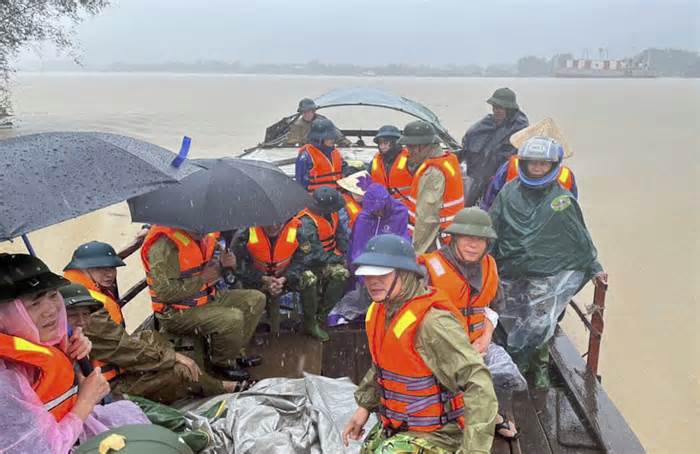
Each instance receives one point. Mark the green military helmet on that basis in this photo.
(385, 253)
(76, 295)
(503, 97)
(388, 132)
(472, 221)
(418, 133)
(326, 200)
(306, 104)
(94, 254)
(136, 439)
(22, 274)
(322, 129)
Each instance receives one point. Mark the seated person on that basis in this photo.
(544, 253)
(46, 405)
(352, 194)
(390, 165)
(141, 364)
(299, 130)
(323, 243)
(319, 163)
(182, 274)
(465, 271)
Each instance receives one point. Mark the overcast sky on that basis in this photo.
(381, 31)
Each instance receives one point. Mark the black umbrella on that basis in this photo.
(224, 194)
(51, 177)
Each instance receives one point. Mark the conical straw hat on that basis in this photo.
(546, 128)
(349, 183)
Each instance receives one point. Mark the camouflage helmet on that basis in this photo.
(326, 200)
(306, 104)
(22, 274)
(503, 97)
(419, 132)
(472, 221)
(76, 295)
(94, 254)
(136, 439)
(322, 129)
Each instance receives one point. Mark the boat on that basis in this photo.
(603, 68)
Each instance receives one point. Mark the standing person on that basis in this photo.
(182, 274)
(486, 144)
(319, 163)
(390, 165)
(299, 130)
(46, 405)
(437, 191)
(419, 349)
(468, 274)
(544, 252)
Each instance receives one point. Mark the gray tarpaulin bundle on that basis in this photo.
(280, 415)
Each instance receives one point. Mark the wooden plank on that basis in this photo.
(347, 353)
(501, 446)
(533, 439)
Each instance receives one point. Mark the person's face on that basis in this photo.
(78, 316)
(384, 145)
(471, 248)
(357, 197)
(104, 277)
(499, 113)
(538, 169)
(308, 115)
(43, 309)
(328, 142)
(273, 230)
(378, 286)
(417, 153)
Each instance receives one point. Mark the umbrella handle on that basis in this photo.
(182, 155)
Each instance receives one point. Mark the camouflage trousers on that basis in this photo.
(378, 442)
(322, 288)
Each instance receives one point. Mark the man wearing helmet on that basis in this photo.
(299, 130)
(390, 165)
(319, 163)
(544, 253)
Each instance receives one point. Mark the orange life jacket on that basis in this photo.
(398, 181)
(57, 386)
(453, 197)
(444, 276)
(565, 178)
(352, 207)
(411, 397)
(324, 172)
(273, 259)
(109, 371)
(193, 256)
(326, 230)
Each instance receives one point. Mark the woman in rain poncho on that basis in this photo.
(42, 409)
(544, 254)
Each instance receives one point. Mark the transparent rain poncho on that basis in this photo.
(504, 371)
(25, 426)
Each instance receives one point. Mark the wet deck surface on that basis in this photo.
(552, 421)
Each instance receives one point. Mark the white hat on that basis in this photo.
(369, 270)
(546, 128)
(349, 183)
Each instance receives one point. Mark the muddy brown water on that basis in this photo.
(635, 145)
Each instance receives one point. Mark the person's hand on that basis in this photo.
(481, 344)
(211, 273)
(355, 427)
(600, 279)
(91, 391)
(79, 345)
(228, 260)
(190, 364)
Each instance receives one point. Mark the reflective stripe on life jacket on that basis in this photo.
(352, 207)
(326, 230)
(324, 172)
(193, 257)
(565, 178)
(109, 303)
(57, 386)
(444, 276)
(411, 397)
(398, 181)
(271, 259)
(453, 197)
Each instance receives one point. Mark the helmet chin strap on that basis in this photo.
(391, 289)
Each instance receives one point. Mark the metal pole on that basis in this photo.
(597, 326)
(28, 245)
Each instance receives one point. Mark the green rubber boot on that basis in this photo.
(335, 287)
(540, 368)
(309, 302)
(273, 314)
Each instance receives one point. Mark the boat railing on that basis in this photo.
(595, 326)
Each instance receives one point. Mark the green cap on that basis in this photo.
(503, 97)
(94, 254)
(472, 221)
(75, 295)
(418, 133)
(136, 439)
(22, 274)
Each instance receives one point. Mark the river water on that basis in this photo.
(635, 145)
